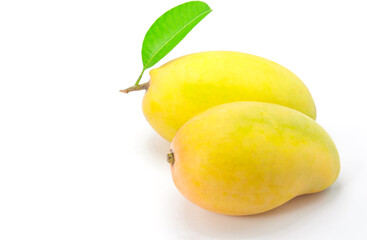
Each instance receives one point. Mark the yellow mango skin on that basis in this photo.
(246, 158)
(188, 85)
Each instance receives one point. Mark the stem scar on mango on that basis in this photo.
(171, 158)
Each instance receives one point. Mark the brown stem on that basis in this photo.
(170, 158)
(143, 86)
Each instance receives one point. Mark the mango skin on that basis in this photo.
(246, 158)
(188, 85)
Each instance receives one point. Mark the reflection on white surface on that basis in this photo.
(282, 218)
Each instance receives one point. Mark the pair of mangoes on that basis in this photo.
(243, 134)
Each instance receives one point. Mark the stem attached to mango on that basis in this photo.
(143, 86)
(170, 158)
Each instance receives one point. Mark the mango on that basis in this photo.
(246, 158)
(186, 86)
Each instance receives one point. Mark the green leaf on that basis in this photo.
(169, 29)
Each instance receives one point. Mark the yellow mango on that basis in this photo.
(245, 158)
(188, 85)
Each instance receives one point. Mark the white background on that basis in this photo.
(79, 161)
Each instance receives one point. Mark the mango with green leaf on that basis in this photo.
(186, 86)
(244, 136)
